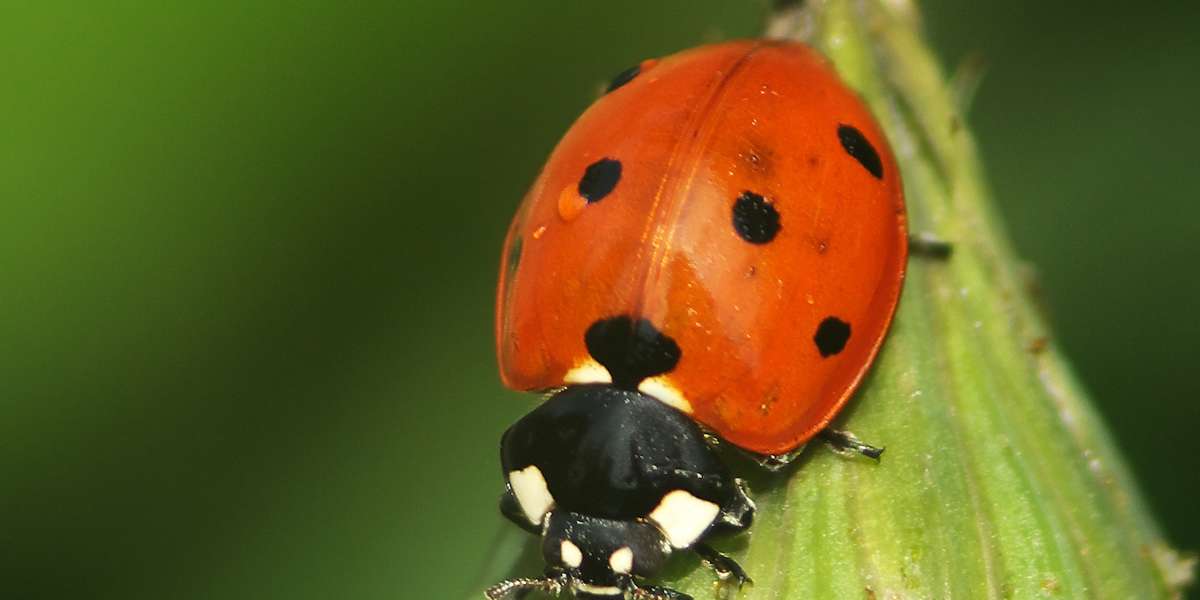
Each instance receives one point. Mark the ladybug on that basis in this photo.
(715, 248)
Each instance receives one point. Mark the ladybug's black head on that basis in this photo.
(594, 558)
(600, 557)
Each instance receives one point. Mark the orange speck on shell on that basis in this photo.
(570, 204)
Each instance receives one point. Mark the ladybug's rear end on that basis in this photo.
(719, 240)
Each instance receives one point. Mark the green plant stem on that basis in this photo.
(1000, 480)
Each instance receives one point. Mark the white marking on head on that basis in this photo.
(660, 388)
(529, 487)
(683, 517)
(571, 556)
(621, 560)
(588, 371)
(599, 590)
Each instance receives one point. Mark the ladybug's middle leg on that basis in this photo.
(844, 441)
(928, 245)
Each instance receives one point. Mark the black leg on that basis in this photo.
(844, 441)
(929, 246)
(739, 514)
(727, 569)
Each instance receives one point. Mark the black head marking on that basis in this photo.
(831, 337)
(755, 219)
(631, 351)
(599, 179)
(624, 77)
(856, 145)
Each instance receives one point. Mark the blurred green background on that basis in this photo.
(247, 254)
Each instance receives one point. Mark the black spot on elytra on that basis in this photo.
(831, 337)
(599, 179)
(856, 145)
(631, 351)
(754, 219)
(623, 77)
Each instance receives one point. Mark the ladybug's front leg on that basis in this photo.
(728, 570)
(737, 514)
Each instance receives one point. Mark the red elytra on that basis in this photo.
(742, 200)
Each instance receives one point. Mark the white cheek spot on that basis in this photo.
(598, 590)
(588, 371)
(660, 388)
(683, 517)
(529, 487)
(621, 560)
(571, 556)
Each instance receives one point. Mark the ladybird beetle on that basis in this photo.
(716, 246)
